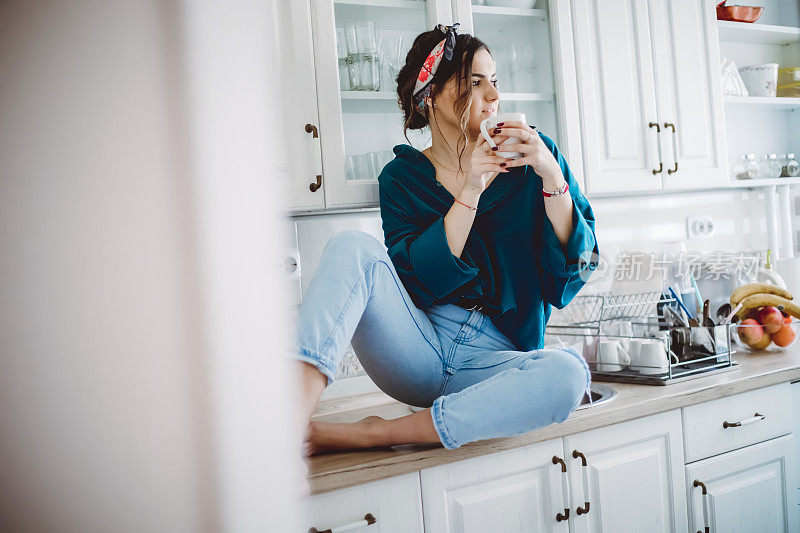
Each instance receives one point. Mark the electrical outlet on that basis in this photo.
(700, 227)
(290, 264)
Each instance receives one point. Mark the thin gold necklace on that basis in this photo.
(450, 169)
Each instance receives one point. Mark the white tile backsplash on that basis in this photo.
(637, 223)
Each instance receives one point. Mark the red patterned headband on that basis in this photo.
(422, 89)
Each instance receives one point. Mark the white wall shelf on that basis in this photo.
(743, 32)
(764, 182)
(775, 103)
(391, 95)
(514, 11)
(412, 4)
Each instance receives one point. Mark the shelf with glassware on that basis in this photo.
(359, 46)
(762, 123)
(519, 40)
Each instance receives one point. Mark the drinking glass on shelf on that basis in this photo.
(375, 161)
(524, 70)
(367, 56)
(341, 54)
(354, 71)
(350, 38)
(391, 56)
(363, 166)
(350, 167)
(506, 66)
(366, 37)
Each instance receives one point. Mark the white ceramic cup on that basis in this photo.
(651, 357)
(491, 122)
(611, 356)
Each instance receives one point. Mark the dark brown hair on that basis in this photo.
(460, 66)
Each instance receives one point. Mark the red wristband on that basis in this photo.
(462, 203)
(557, 192)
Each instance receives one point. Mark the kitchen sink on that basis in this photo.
(600, 394)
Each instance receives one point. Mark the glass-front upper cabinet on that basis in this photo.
(517, 33)
(359, 47)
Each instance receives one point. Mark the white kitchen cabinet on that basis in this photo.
(512, 491)
(302, 181)
(629, 476)
(648, 93)
(746, 490)
(732, 422)
(338, 139)
(690, 107)
(633, 473)
(390, 505)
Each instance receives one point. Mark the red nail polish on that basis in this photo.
(494, 149)
(500, 124)
(502, 164)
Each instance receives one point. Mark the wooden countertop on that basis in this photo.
(335, 470)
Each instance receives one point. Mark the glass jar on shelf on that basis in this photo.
(792, 166)
(752, 166)
(740, 169)
(782, 163)
(774, 167)
(763, 166)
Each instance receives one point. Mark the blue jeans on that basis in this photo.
(453, 360)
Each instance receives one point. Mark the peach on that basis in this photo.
(765, 341)
(750, 331)
(784, 336)
(771, 318)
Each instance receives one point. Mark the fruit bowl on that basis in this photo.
(752, 336)
(738, 13)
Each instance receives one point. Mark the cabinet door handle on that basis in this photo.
(585, 468)
(658, 144)
(312, 129)
(368, 521)
(674, 146)
(704, 494)
(560, 517)
(755, 418)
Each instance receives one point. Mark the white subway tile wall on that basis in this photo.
(639, 223)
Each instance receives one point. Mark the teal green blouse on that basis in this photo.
(512, 264)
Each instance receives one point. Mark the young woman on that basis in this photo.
(451, 317)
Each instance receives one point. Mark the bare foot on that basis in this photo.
(326, 436)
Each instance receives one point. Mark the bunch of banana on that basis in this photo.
(755, 295)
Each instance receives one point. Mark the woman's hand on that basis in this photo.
(483, 162)
(534, 152)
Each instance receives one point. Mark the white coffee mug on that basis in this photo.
(611, 356)
(651, 357)
(491, 122)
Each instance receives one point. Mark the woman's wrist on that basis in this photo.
(551, 183)
(469, 196)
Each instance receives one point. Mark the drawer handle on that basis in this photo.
(746, 421)
(585, 509)
(704, 492)
(368, 521)
(560, 517)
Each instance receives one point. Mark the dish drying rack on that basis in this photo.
(594, 318)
